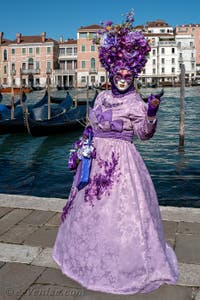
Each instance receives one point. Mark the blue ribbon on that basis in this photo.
(85, 169)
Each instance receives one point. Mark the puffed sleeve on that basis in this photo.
(99, 98)
(142, 127)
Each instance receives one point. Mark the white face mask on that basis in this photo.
(123, 80)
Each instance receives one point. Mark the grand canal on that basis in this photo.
(38, 166)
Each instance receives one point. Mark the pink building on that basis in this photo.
(28, 59)
(89, 69)
(194, 30)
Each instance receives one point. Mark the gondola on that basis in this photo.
(64, 121)
(8, 125)
(16, 125)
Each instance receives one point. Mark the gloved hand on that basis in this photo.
(153, 104)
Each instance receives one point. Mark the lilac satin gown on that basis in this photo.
(111, 239)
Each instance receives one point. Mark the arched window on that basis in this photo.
(92, 63)
(5, 54)
(30, 63)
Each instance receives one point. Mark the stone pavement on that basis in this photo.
(28, 227)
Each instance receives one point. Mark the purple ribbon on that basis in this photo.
(102, 117)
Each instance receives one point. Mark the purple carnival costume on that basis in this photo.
(111, 236)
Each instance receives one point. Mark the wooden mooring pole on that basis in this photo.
(182, 109)
(48, 91)
(12, 111)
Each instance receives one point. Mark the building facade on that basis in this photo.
(66, 75)
(194, 30)
(28, 60)
(89, 69)
(168, 51)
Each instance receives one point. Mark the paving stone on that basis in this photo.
(53, 276)
(55, 220)
(163, 293)
(12, 218)
(16, 279)
(44, 237)
(31, 202)
(170, 231)
(45, 259)
(4, 211)
(189, 228)
(18, 233)
(197, 297)
(18, 253)
(189, 275)
(54, 292)
(2, 263)
(188, 248)
(38, 217)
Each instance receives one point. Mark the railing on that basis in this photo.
(93, 71)
(30, 71)
(64, 72)
(68, 55)
(167, 43)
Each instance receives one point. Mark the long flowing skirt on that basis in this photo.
(112, 237)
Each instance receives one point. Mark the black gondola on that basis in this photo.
(74, 118)
(39, 109)
(15, 124)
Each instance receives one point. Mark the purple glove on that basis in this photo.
(152, 110)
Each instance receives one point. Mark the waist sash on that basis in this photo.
(125, 135)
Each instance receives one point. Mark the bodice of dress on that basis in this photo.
(126, 115)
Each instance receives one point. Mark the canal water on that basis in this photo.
(38, 166)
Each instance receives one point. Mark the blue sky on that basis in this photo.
(64, 17)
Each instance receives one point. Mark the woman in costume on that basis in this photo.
(111, 235)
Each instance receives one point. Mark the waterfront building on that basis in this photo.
(194, 30)
(186, 54)
(168, 52)
(66, 75)
(28, 60)
(4, 59)
(89, 69)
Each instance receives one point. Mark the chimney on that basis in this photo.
(43, 35)
(18, 37)
(1, 37)
(61, 39)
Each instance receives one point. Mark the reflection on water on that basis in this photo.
(38, 166)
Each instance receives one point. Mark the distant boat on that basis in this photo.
(62, 122)
(16, 90)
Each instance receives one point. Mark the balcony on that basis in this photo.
(64, 72)
(167, 43)
(13, 72)
(30, 71)
(93, 71)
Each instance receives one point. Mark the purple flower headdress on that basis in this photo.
(122, 47)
